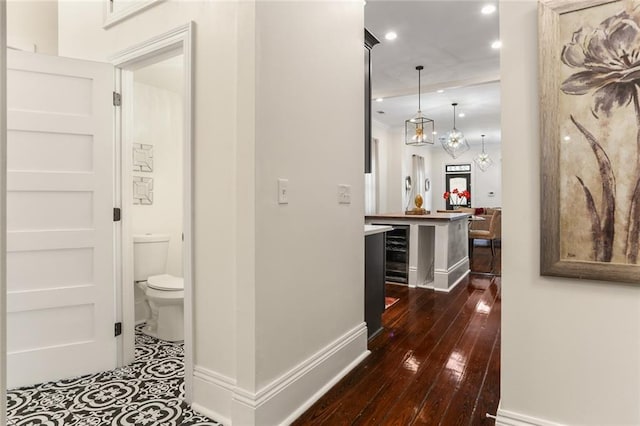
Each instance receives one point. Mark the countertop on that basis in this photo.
(430, 216)
(376, 229)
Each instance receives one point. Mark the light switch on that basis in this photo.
(344, 194)
(283, 191)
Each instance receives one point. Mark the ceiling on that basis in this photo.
(452, 40)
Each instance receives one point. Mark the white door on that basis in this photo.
(60, 261)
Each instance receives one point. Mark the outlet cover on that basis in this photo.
(344, 194)
(283, 191)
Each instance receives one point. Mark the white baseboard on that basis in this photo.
(412, 277)
(430, 285)
(211, 389)
(510, 418)
(210, 414)
(285, 398)
(315, 397)
(288, 396)
(458, 281)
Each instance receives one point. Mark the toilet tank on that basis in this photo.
(150, 253)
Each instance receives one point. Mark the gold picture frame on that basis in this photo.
(590, 139)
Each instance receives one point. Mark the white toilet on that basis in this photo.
(163, 292)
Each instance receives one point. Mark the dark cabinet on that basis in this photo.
(374, 273)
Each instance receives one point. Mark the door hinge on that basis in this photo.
(116, 214)
(117, 329)
(117, 99)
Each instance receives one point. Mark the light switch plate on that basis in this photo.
(344, 194)
(283, 191)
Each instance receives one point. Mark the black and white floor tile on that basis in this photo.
(148, 392)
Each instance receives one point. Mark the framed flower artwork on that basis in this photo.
(590, 136)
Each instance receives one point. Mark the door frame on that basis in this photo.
(180, 40)
(3, 196)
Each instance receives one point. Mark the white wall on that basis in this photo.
(396, 160)
(389, 191)
(309, 264)
(396, 164)
(481, 182)
(275, 285)
(158, 121)
(33, 24)
(215, 75)
(570, 348)
(310, 253)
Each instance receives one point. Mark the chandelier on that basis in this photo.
(483, 161)
(419, 130)
(455, 143)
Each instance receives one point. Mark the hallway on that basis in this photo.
(436, 362)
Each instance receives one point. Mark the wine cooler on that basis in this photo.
(397, 255)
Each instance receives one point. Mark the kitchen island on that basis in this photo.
(438, 247)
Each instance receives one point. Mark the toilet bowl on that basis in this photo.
(162, 306)
(165, 294)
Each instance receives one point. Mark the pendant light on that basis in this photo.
(418, 130)
(455, 142)
(482, 160)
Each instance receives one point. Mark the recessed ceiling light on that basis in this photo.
(567, 138)
(391, 35)
(379, 99)
(461, 115)
(496, 44)
(440, 91)
(434, 132)
(488, 9)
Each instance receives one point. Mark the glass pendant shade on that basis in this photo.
(483, 161)
(455, 143)
(419, 129)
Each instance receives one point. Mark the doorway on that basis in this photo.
(456, 184)
(154, 173)
(116, 163)
(156, 177)
(68, 176)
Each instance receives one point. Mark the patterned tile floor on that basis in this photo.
(146, 393)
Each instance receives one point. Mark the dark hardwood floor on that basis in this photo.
(437, 362)
(482, 261)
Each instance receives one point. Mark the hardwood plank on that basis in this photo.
(386, 349)
(462, 403)
(446, 355)
(375, 388)
(483, 262)
(489, 394)
(346, 389)
(406, 374)
(419, 359)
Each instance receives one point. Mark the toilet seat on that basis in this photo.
(165, 282)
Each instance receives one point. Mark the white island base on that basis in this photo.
(438, 247)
